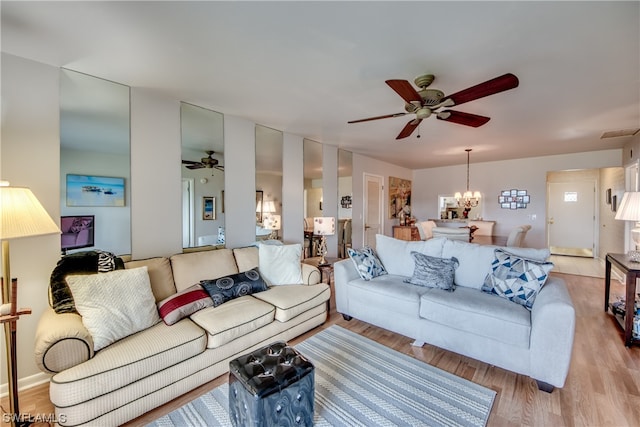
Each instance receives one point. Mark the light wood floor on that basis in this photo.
(602, 389)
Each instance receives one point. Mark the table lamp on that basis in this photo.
(21, 215)
(324, 226)
(272, 222)
(629, 210)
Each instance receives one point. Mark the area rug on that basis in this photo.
(359, 382)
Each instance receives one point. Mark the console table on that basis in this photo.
(632, 272)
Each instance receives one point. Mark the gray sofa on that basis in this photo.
(135, 374)
(537, 342)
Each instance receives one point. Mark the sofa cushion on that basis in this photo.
(280, 264)
(395, 254)
(246, 258)
(389, 291)
(160, 276)
(366, 262)
(127, 361)
(479, 313)
(233, 319)
(226, 288)
(517, 279)
(475, 262)
(191, 268)
(433, 272)
(114, 305)
(183, 304)
(292, 300)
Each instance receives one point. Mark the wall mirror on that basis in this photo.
(448, 208)
(94, 164)
(269, 146)
(202, 136)
(312, 199)
(345, 200)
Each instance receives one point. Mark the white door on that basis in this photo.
(372, 209)
(188, 217)
(571, 217)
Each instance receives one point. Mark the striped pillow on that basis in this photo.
(183, 304)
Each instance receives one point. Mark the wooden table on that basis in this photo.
(406, 232)
(490, 240)
(632, 271)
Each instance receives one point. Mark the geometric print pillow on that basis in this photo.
(517, 279)
(366, 262)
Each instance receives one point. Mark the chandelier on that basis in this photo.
(469, 199)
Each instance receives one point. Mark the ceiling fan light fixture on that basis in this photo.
(423, 113)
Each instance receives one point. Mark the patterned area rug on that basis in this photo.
(359, 382)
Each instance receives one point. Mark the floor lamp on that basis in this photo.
(21, 215)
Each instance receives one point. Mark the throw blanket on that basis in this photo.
(78, 263)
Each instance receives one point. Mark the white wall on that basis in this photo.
(492, 177)
(30, 157)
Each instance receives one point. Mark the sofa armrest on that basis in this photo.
(61, 341)
(553, 323)
(310, 274)
(343, 272)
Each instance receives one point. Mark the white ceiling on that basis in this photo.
(308, 67)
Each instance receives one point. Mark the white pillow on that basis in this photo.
(280, 264)
(114, 305)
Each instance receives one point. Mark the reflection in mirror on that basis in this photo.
(269, 146)
(312, 157)
(449, 209)
(202, 136)
(94, 145)
(345, 199)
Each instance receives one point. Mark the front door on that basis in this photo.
(372, 209)
(571, 218)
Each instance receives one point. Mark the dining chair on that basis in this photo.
(517, 235)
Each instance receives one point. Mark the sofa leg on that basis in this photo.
(417, 343)
(346, 317)
(544, 386)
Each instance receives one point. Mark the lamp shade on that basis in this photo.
(324, 225)
(22, 215)
(629, 209)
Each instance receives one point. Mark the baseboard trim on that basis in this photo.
(26, 383)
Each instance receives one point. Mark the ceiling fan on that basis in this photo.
(206, 162)
(425, 102)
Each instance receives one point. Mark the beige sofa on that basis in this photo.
(149, 368)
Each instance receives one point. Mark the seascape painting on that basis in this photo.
(85, 190)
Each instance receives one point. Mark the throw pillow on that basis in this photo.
(61, 299)
(114, 305)
(280, 264)
(227, 288)
(183, 304)
(366, 262)
(515, 278)
(433, 272)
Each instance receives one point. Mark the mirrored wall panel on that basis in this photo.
(312, 157)
(94, 164)
(345, 200)
(202, 136)
(269, 145)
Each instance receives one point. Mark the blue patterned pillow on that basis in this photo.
(366, 262)
(517, 279)
(433, 272)
(227, 288)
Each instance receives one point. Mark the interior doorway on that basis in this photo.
(373, 209)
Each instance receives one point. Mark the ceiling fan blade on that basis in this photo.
(189, 162)
(196, 166)
(386, 116)
(219, 167)
(409, 128)
(405, 90)
(461, 118)
(490, 87)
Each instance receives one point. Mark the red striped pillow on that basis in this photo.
(183, 304)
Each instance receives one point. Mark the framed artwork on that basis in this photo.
(608, 196)
(614, 203)
(514, 199)
(90, 190)
(399, 195)
(222, 203)
(208, 208)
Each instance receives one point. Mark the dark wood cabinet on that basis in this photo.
(406, 232)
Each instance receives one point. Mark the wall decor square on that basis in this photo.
(514, 199)
(89, 190)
